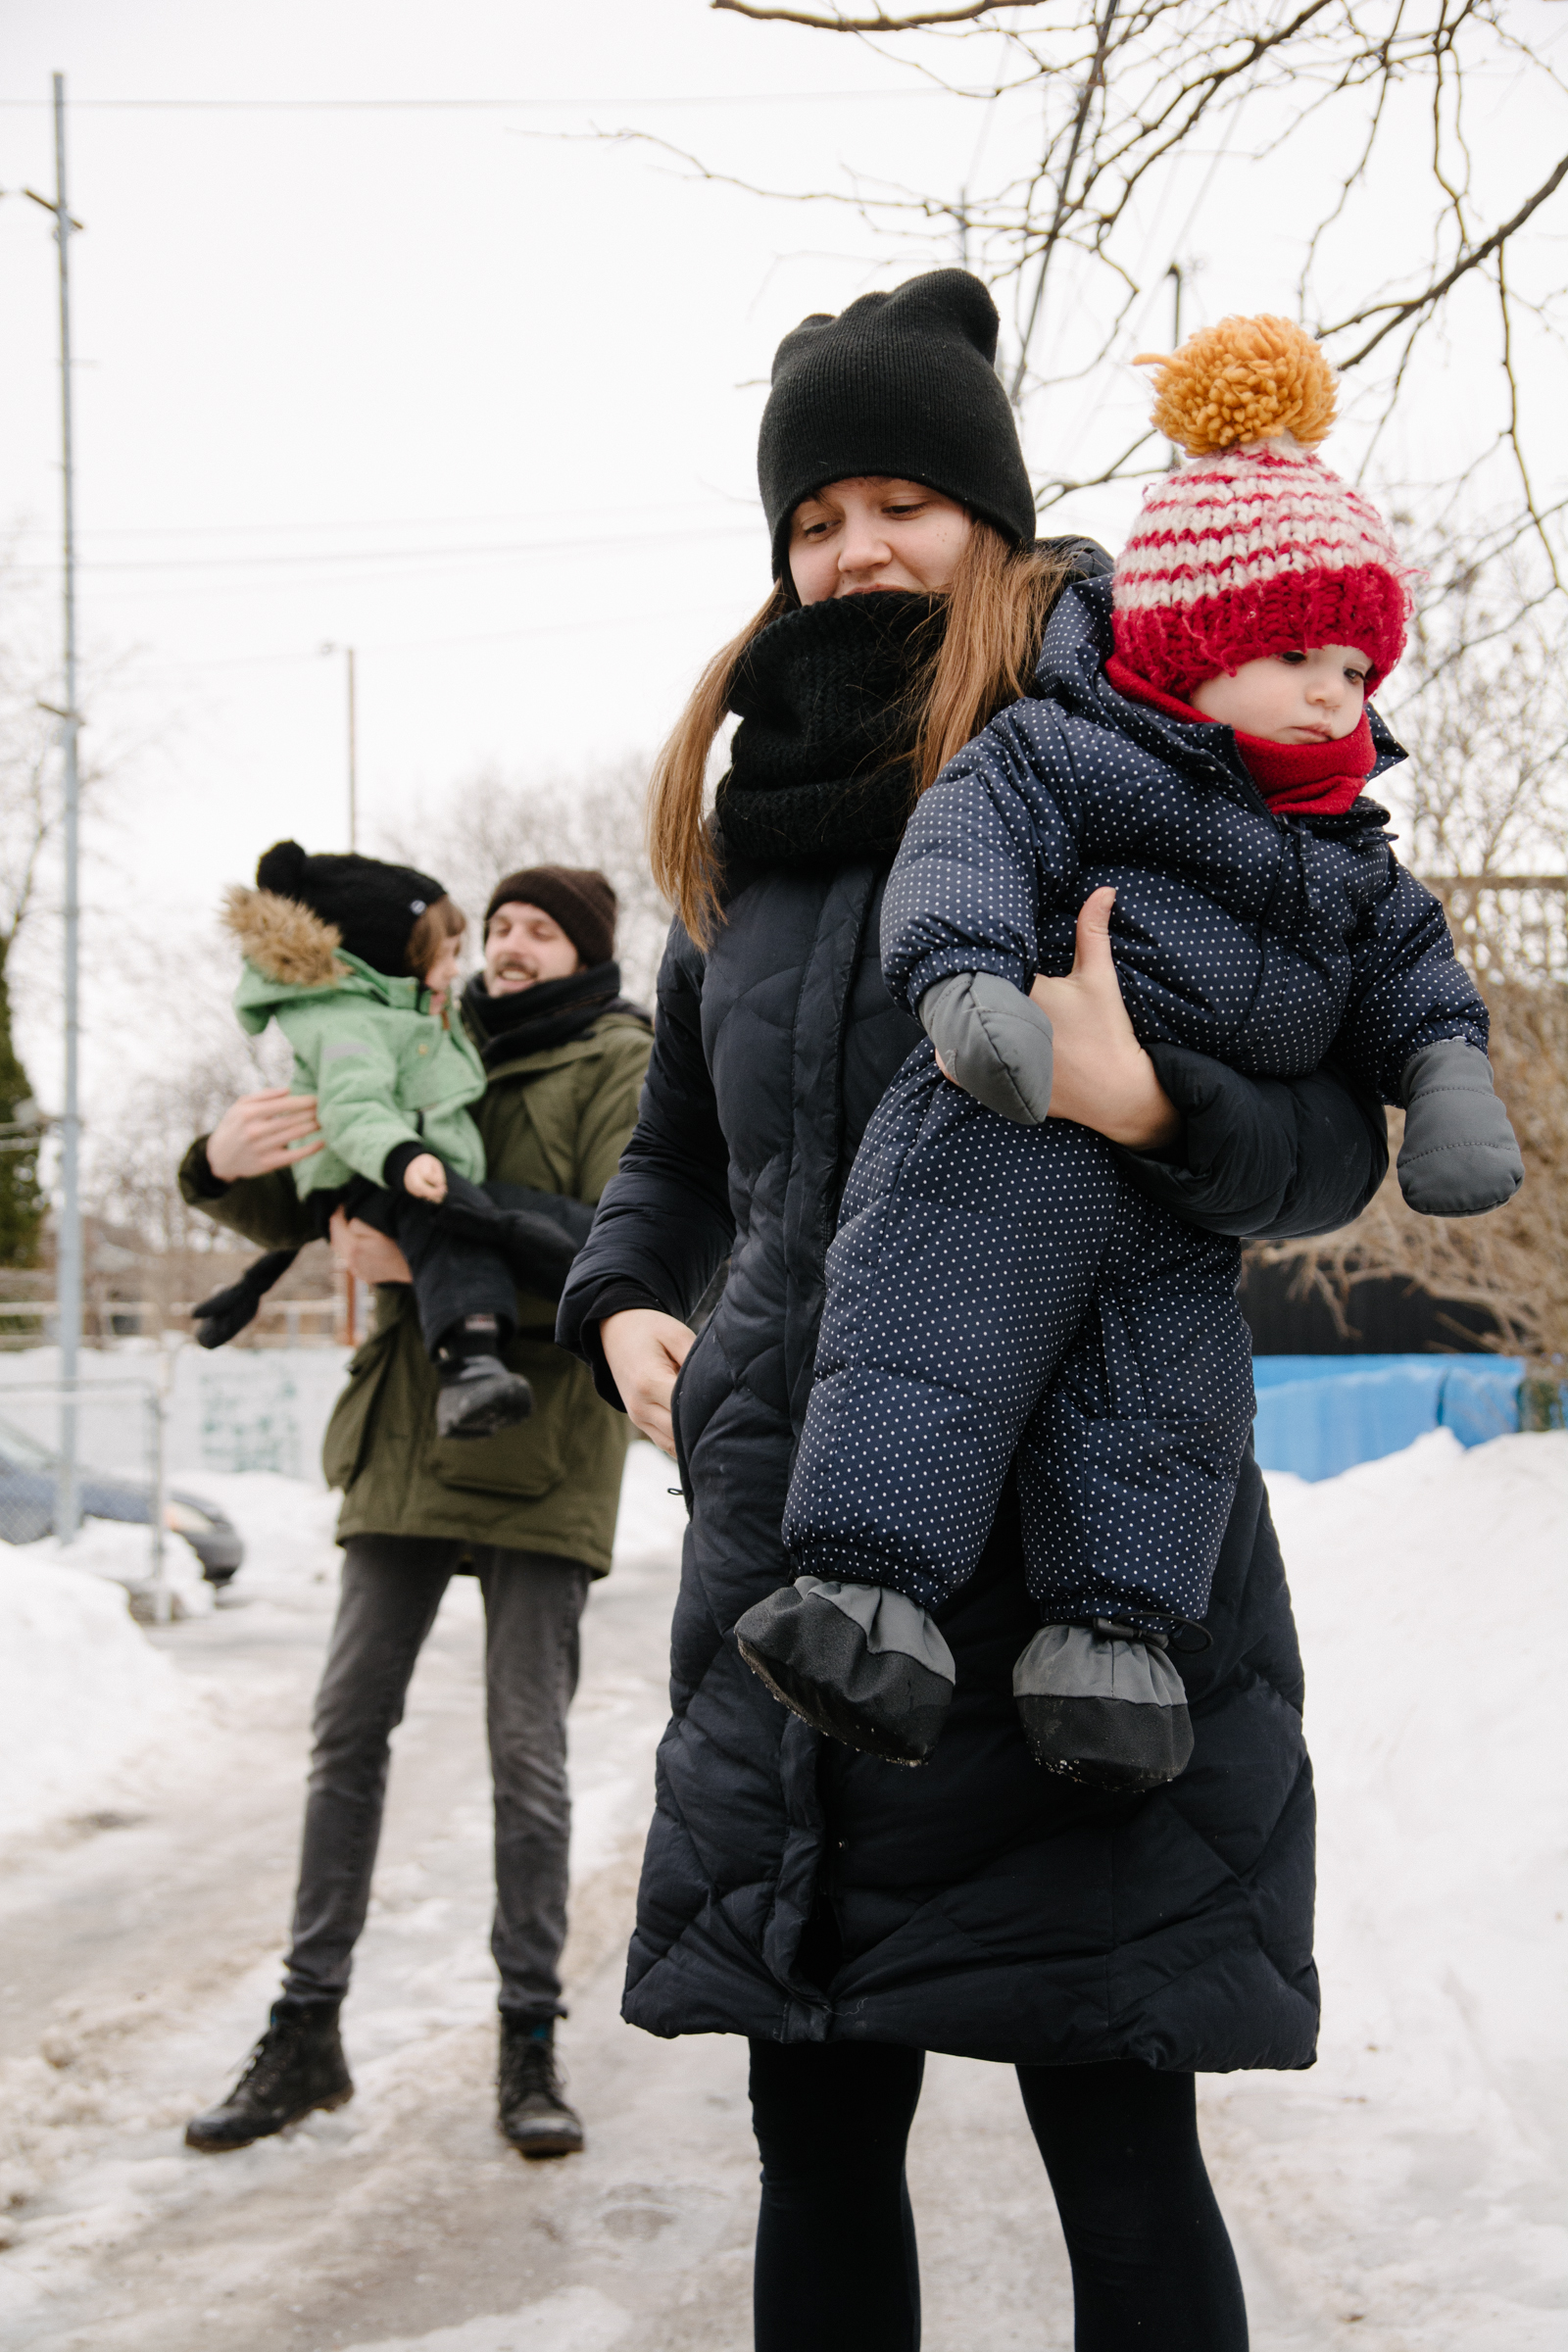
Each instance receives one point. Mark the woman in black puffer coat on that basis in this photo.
(844, 1915)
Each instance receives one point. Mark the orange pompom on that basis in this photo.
(1245, 379)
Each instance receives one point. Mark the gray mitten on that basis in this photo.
(994, 1042)
(1459, 1156)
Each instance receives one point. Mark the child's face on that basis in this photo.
(444, 970)
(1290, 697)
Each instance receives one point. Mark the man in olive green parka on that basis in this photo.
(530, 1511)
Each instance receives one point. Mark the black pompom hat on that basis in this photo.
(903, 385)
(372, 907)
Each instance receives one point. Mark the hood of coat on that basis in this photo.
(290, 952)
(1071, 671)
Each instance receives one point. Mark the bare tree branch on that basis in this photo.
(877, 24)
(1399, 312)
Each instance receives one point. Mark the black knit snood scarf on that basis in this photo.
(822, 697)
(550, 1014)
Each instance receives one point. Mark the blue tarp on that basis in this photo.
(1320, 1415)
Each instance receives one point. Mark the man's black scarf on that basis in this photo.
(550, 1014)
(820, 767)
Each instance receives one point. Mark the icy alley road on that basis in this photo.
(1388, 2210)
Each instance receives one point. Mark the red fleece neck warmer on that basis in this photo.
(1317, 779)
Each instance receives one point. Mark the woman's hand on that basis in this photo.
(360, 1249)
(257, 1134)
(645, 1350)
(1101, 1077)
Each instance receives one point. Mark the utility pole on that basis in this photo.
(68, 1245)
(354, 762)
(347, 650)
(1174, 274)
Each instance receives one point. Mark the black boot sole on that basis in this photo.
(545, 2147)
(833, 1718)
(223, 2147)
(1102, 1744)
(488, 1419)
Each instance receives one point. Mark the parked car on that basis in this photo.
(28, 1475)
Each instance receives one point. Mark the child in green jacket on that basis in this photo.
(354, 961)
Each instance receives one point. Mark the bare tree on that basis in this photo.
(1513, 1263)
(496, 823)
(1398, 188)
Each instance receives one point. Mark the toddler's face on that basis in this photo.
(1290, 697)
(444, 970)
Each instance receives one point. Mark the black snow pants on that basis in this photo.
(836, 2263)
(997, 1292)
(457, 1272)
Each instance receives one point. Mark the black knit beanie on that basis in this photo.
(372, 907)
(902, 384)
(579, 898)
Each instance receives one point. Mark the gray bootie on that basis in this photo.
(863, 1665)
(1105, 1705)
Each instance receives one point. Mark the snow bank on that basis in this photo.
(122, 1553)
(86, 1701)
(82, 1691)
(1432, 1597)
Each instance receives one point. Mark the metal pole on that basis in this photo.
(158, 1407)
(68, 1242)
(1174, 274)
(353, 763)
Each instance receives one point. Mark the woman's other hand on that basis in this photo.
(259, 1134)
(361, 1250)
(645, 1350)
(1101, 1077)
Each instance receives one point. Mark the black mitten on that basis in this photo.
(219, 1318)
(1460, 1156)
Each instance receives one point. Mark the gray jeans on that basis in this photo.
(392, 1588)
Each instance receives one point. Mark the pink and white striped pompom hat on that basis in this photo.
(1252, 547)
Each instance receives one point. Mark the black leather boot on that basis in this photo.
(477, 1395)
(297, 2066)
(533, 2112)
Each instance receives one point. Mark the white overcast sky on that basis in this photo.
(475, 397)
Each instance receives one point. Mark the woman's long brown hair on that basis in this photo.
(997, 603)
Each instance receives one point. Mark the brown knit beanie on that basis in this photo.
(577, 897)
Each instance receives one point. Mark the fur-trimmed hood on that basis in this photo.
(283, 940)
(290, 954)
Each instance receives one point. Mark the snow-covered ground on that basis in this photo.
(1403, 2189)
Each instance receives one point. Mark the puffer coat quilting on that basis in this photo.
(1266, 940)
(796, 1891)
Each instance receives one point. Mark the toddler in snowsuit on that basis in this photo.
(354, 960)
(998, 1289)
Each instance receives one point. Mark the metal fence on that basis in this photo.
(31, 1484)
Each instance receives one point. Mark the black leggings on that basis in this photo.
(836, 2263)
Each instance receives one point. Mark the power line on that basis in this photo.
(298, 106)
(645, 617)
(310, 558)
(390, 523)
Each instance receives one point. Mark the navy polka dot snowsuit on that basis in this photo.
(998, 1291)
